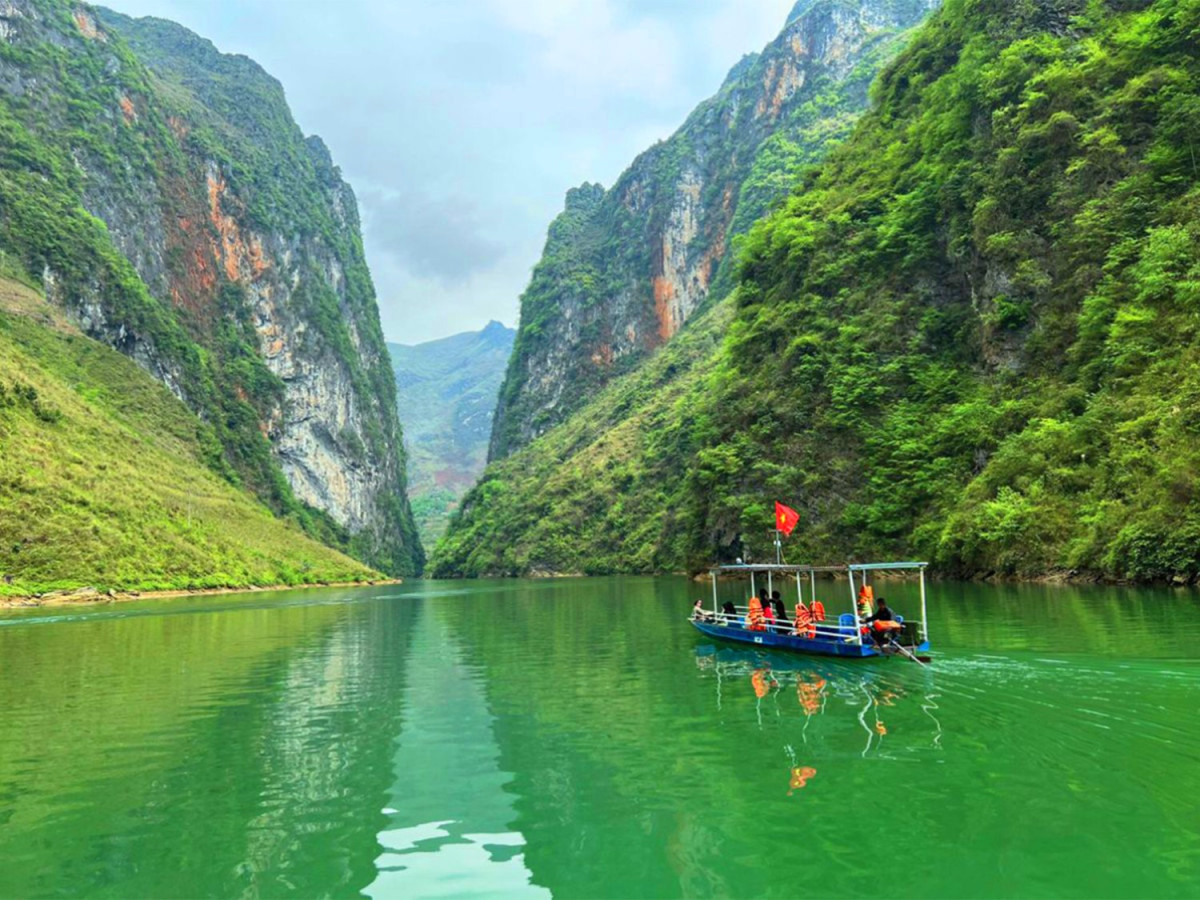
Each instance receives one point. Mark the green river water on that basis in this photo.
(577, 738)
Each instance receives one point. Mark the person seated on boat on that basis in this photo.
(883, 623)
(768, 614)
(804, 626)
(754, 618)
(780, 609)
(700, 614)
(730, 614)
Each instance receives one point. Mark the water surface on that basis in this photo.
(576, 738)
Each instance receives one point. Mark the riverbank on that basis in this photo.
(88, 595)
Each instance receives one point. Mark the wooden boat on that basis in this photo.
(842, 635)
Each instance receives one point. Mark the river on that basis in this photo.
(577, 738)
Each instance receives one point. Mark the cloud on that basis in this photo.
(438, 238)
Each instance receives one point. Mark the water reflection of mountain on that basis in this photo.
(193, 753)
(450, 806)
(629, 781)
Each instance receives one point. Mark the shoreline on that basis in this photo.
(90, 595)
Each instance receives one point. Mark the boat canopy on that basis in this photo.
(747, 568)
(859, 574)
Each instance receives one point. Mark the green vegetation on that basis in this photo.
(94, 136)
(105, 480)
(745, 145)
(447, 390)
(970, 336)
(601, 493)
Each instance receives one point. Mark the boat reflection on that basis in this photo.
(891, 710)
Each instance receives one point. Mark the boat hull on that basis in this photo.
(819, 646)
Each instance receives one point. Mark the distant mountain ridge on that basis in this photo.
(447, 391)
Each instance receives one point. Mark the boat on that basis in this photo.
(844, 635)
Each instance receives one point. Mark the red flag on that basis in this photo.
(785, 518)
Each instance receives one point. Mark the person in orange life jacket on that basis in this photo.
(883, 623)
(804, 626)
(780, 610)
(768, 612)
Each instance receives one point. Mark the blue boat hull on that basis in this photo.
(820, 646)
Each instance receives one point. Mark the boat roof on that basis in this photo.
(805, 570)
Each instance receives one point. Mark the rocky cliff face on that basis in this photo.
(162, 195)
(625, 269)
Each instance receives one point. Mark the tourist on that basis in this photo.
(780, 609)
(883, 623)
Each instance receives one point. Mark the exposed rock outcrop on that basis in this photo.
(220, 249)
(625, 269)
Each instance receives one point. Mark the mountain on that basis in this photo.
(108, 481)
(160, 195)
(447, 392)
(626, 310)
(971, 335)
(624, 269)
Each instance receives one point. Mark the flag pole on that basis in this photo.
(778, 549)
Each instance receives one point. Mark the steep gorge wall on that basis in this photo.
(625, 269)
(161, 194)
(611, 488)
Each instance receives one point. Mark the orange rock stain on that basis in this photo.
(128, 110)
(664, 311)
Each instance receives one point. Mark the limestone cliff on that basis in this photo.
(625, 269)
(161, 194)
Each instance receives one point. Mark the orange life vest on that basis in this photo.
(818, 611)
(804, 626)
(866, 602)
(755, 621)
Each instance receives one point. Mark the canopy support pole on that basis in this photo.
(799, 592)
(854, 607)
(924, 621)
(714, 581)
(770, 584)
(753, 592)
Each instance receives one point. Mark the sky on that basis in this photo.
(461, 124)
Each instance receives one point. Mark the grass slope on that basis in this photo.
(105, 477)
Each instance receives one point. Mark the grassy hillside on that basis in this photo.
(107, 479)
(161, 192)
(605, 491)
